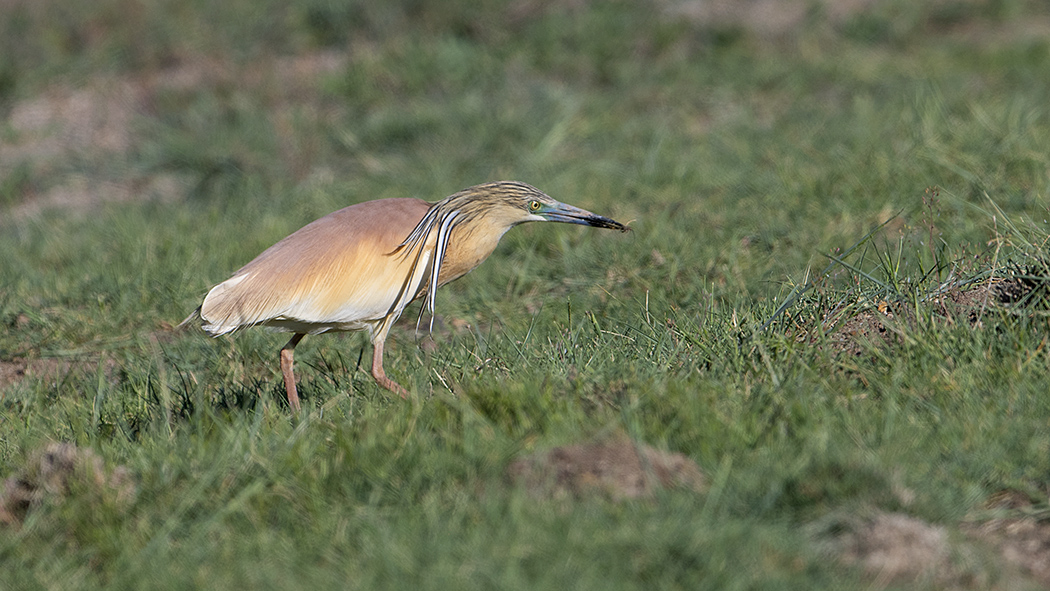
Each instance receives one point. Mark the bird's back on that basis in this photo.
(334, 273)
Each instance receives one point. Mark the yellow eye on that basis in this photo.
(534, 205)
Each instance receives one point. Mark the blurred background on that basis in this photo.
(703, 104)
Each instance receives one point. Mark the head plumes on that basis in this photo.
(502, 202)
(507, 202)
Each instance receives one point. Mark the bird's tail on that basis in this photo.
(194, 315)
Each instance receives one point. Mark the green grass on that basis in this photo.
(746, 162)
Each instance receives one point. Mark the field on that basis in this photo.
(819, 361)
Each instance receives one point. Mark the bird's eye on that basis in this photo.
(534, 205)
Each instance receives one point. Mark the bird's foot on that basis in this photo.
(391, 385)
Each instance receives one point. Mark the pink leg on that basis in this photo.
(380, 375)
(286, 369)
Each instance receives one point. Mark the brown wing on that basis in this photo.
(332, 273)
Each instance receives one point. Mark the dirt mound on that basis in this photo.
(617, 468)
(1021, 532)
(877, 326)
(884, 322)
(893, 548)
(1023, 542)
(56, 472)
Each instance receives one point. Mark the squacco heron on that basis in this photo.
(359, 267)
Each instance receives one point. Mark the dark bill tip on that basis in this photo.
(603, 222)
(574, 215)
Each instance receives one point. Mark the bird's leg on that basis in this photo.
(286, 369)
(380, 375)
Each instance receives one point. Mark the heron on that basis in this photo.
(358, 268)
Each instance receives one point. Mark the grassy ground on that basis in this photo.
(785, 171)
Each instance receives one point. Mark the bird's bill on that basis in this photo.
(574, 215)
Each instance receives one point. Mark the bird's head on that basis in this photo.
(467, 226)
(513, 203)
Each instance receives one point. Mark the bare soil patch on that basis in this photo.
(71, 147)
(53, 371)
(11, 372)
(16, 370)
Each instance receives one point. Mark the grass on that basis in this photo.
(747, 162)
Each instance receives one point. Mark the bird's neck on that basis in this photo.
(468, 246)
